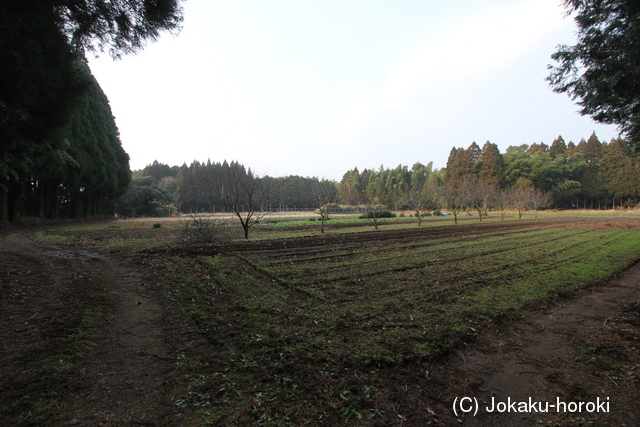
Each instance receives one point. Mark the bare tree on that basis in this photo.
(481, 196)
(454, 196)
(420, 199)
(244, 194)
(370, 207)
(539, 199)
(519, 197)
(501, 201)
(325, 195)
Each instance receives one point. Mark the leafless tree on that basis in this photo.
(454, 196)
(201, 230)
(502, 201)
(481, 196)
(539, 199)
(370, 207)
(519, 198)
(421, 200)
(244, 194)
(325, 196)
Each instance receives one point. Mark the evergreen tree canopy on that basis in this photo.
(558, 147)
(42, 77)
(81, 174)
(143, 197)
(460, 165)
(159, 170)
(602, 70)
(491, 167)
(40, 82)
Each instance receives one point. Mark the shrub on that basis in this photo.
(199, 230)
(157, 225)
(402, 215)
(312, 219)
(378, 214)
(437, 212)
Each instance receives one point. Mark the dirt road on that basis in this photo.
(81, 339)
(584, 350)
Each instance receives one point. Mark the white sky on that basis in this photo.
(316, 87)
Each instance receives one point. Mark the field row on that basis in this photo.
(411, 296)
(318, 325)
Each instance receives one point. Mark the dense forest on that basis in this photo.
(590, 174)
(60, 154)
(80, 174)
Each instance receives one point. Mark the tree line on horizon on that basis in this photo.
(590, 174)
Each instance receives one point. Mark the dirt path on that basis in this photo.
(580, 351)
(81, 339)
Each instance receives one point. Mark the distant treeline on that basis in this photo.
(193, 188)
(590, 174)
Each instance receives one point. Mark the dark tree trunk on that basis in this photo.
(4, 211)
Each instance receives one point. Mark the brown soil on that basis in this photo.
(579, 351)
(63, 365)
(58, 356)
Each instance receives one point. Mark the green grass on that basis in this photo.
(51, 237)
(309, 328)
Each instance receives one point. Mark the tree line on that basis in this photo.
(590, 174)
(60, 155)
(80, 173)
(599, 72)
(195, 188)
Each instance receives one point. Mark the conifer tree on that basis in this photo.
(42, 46)
(601, 70)
(460, 166)
(617, 173)
(474, 151)
(491, 169)
(558, 147)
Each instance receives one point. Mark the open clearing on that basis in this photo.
(118, 326)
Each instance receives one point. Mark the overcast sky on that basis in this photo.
(316, 87)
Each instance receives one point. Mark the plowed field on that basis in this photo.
(357, 327)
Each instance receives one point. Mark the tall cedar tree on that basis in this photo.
(558, 147)
(459, 166)
(617, 173)
(591, 149)
(102, 172)
(41, 44)
(84, 174)
(492, 165)
(601, 72)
